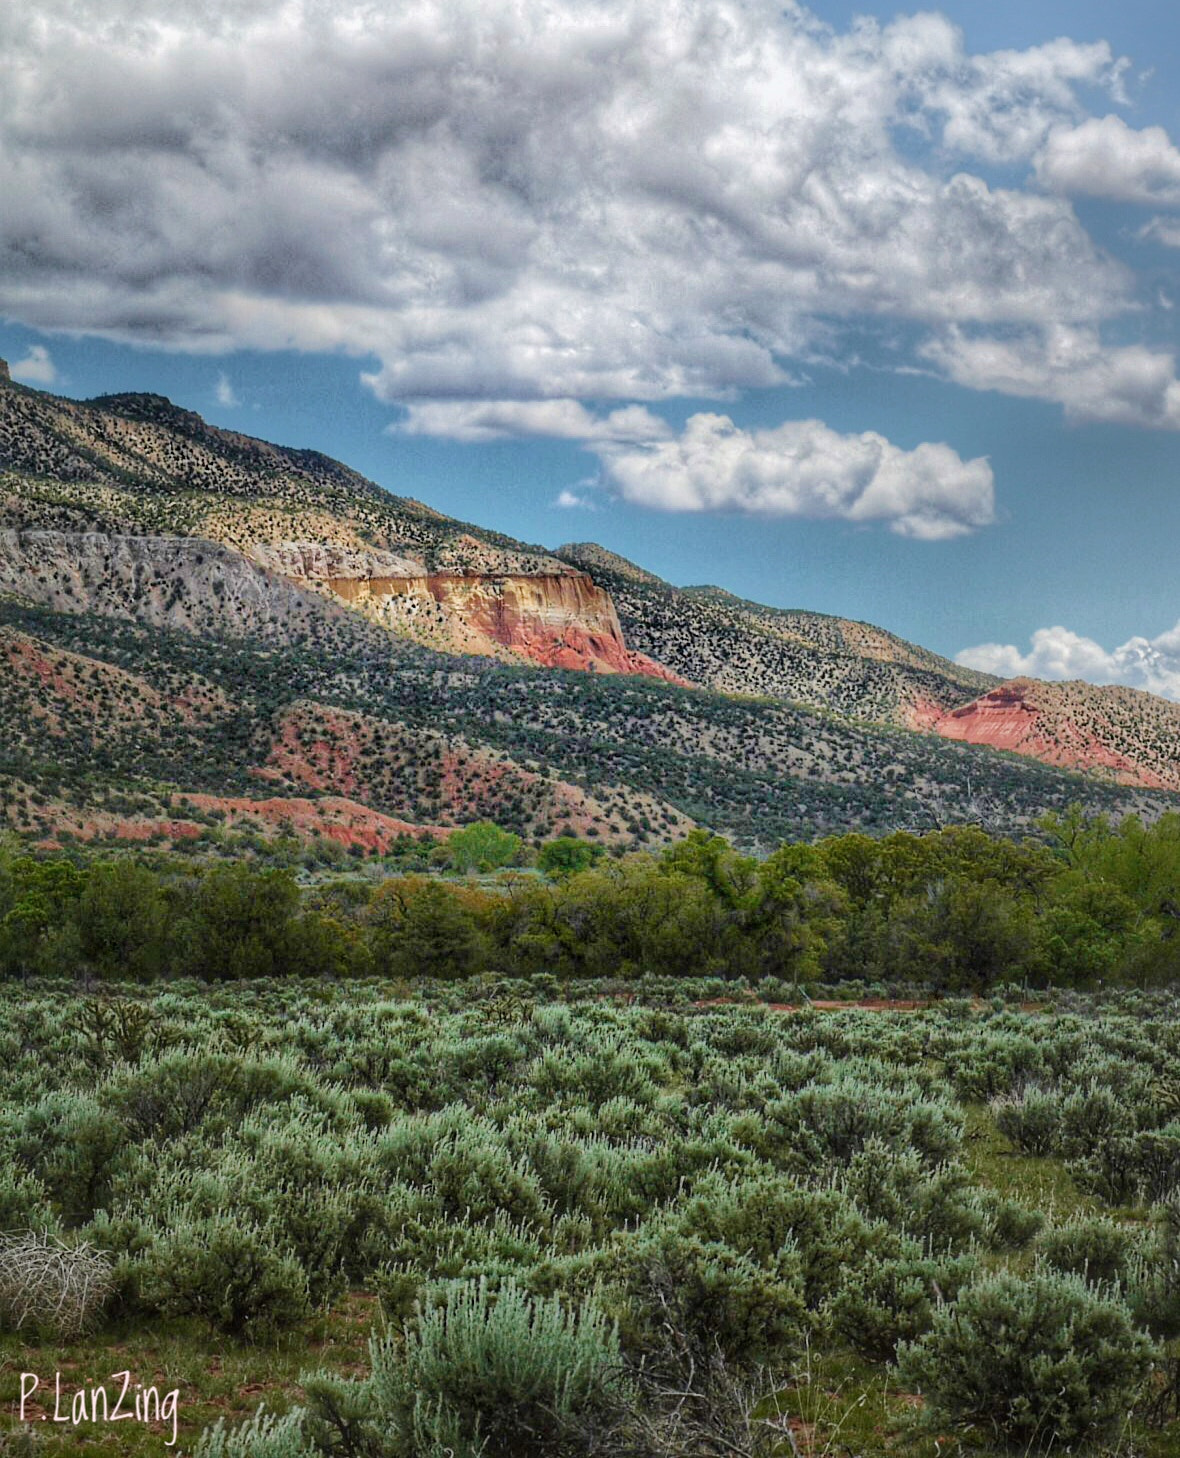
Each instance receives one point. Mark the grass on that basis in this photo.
(215, 1376)
(1039, 1181)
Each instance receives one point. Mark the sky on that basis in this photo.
(865, 310)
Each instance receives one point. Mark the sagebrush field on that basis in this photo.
(633, 1221)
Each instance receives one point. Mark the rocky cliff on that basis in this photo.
(558, 617)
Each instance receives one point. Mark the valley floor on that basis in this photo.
(796, 1221)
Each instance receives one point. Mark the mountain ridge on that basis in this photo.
(572, 664)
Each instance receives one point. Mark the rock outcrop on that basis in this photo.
(167, 582)
(560, 617)
(1128, 736)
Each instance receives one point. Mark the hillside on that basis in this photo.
(720, 641)
(1122, 733)
(199, 627)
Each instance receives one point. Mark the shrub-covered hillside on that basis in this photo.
(108, 726)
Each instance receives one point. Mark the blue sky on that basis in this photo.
(860, 310)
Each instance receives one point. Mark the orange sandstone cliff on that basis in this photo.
(557, 616)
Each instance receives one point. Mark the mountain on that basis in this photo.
(200, 628)
(717, 640)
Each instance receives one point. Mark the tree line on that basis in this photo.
(956, 910)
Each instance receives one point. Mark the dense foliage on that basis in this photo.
(953, 910)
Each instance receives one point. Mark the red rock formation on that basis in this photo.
(560, 619)
(1068, 725)
(332, 817)
(556, 615)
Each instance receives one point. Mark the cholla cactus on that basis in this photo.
(49, 1286)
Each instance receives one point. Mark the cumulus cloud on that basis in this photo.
(37, 367)
(803, 468)
(1104, 157)
(1129, 385)
(1057, 653)
(617, 200)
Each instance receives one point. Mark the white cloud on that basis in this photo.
(1162, 230)
(37, 367)
(571, 500)
(225, 393)
(1104, 157)
(805, 469)
(1057, 653)
(801, 468)
(483, 420)
(1002, 106)
(1130, 385)
(612, 200)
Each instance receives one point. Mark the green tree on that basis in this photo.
(35, 930)
(794, 913)
(566, 855)
(240, 925)
(122, 917)
(421, 928)
(482, 846)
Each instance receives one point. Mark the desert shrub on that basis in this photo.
(477, 1373)
(687, 1300)
(991, 1064)
(228, 1272)
(1005, 1225)
(886, 1302)
(439, 1248)
(1152, 1279)
(320, 1197)
(49, 1287)
(829, 1123)
(183, 1091)
(1089, 1117)
(475, 1180)
(262, 1436)
(1033, 1365)
(1143, 1166)
(595, 1076)
(24, 1204)
(935, 1204)
(1097, 1250)
(73, 1146)
(768, 1214)
(1030, 1119)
